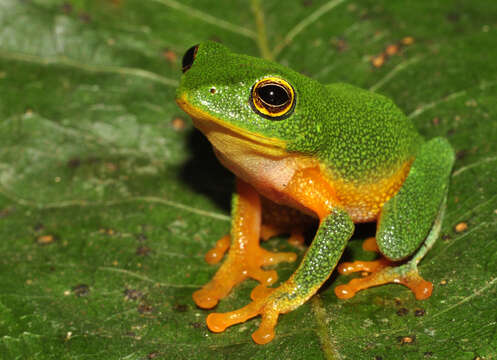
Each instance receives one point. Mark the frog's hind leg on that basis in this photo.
(276, 220)
(385, 271)
(369, 244)
(245, 257)
(410, 223)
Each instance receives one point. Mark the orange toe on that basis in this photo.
(368, 266)
(370, 245)
(421, 288)
(215, 255)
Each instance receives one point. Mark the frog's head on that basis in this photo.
(266, 106)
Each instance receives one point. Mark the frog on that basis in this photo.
(303, 153)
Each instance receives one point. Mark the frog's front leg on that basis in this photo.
(245, 257)
(410, 221)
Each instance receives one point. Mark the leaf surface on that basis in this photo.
(109, 198)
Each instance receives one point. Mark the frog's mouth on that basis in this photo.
(224, 135)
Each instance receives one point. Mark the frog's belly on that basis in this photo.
(270, 176)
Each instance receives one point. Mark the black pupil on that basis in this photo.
(189, 57)
(273, 95)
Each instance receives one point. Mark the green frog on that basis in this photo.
(304, 153)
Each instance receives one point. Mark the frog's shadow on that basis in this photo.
(205, 175)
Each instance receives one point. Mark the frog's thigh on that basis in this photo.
(407, 218)
(405, 224)
(279, 219)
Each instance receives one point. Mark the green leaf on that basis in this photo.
(109, 198)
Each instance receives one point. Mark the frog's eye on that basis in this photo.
(189, 57)
(272, 98)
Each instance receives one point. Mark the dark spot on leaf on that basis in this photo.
(144, 308)
(74, 163)
(453, 17)
(39, 227)
(406, 41)
(46, 239)
(419, 312)
(378, 61)
(81, 290)
(108, 231)
(132, 294)
(170, 56)
(5, 212)
(461, 154)
(446, 237)
(196, 325)
(398, 302)
(85, 17)
(402, 311)
(428, 354)
(66, 8)
(142, 250)
(216, 39)
(141, 237)
(339, 44)
(392, 49)
(178, 123)
(406, 340)
(307, 3)
(378, 358)
(462, 226)
(153, 355)
(180, 307)
(436, 121)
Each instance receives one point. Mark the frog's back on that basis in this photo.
(370, 145)
(368, 138)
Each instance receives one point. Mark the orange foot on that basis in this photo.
(382, 273)
(268, 303)
(237, 268)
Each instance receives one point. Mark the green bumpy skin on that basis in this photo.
(339, 153)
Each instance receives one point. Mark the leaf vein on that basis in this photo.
(304, 23)
(207, 18)
(65, 61)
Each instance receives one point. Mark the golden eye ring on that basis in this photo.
(272, 98)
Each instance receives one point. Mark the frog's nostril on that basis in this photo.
(189, 57)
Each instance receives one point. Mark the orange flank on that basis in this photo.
(364, 201)
(245, 257)
(312, 192)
